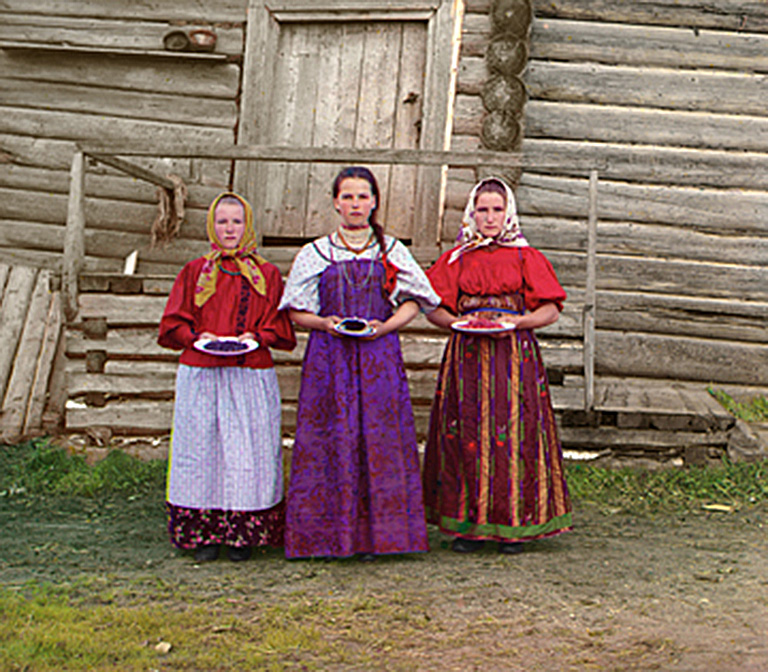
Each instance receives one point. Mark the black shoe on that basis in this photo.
(366, 557)
(239, 553)
(510, 547)
(461, 545)
(207, 553)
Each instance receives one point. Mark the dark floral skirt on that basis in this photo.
(190, 528)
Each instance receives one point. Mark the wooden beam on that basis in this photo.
(74, 239)
(590, 297)
(134, 170)
(338, 155)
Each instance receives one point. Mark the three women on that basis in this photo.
(493, 467)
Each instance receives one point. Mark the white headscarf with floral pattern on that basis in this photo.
(470, 238)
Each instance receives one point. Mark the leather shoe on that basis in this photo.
(510, 547)
(207, 553)
(238, 553)
(461, 545)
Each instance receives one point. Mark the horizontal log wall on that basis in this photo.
(67, 77)
(667, 100)
(120, 378)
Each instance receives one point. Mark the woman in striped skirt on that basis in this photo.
(493, 467)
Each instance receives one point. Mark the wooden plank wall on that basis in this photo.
(93, 70)
(31, 353)
(119, 378)
(668, 98)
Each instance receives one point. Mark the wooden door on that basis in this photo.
(330, 73)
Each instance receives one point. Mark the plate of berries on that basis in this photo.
(226, 346)
(354, 326)
(482, 325)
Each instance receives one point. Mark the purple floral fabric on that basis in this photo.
(355, 481)
(190, 528)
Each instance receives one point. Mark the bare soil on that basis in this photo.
(620, 592)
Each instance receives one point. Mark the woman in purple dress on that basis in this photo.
(355, 486)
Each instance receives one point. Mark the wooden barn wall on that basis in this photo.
(95, 70)
(668, 98)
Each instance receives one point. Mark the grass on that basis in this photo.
(39, 468)
(91, 622)
(43, 630)
(640, 491)
(753, 410)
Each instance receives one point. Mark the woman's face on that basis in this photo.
(490, 212)
(229, 224)
(355, 202)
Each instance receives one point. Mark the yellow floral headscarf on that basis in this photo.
(245, 256)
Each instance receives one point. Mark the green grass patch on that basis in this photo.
(752, 410)
(39, 468)
(638, 490)
(43, 630)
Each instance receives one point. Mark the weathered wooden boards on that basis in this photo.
(667, 99)
(30, 327)
(119, 377)
(68, 77)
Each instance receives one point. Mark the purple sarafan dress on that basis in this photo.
(355, 484)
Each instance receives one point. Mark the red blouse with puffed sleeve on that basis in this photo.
(235, 308)
(495, 270)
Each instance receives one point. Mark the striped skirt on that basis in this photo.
(493, 466)
(225, 481)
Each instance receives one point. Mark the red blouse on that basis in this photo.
(234, 309)
(495, 270)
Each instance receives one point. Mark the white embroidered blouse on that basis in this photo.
(302, 287)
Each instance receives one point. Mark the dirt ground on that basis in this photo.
(620, 592)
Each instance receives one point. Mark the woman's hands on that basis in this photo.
(309, 320)
(402, 316)
(210, 336)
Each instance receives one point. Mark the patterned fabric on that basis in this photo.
(355, 483)
(226, 449)
(493, 467)
(190, 528)
(245, 256)
(302, 288)
(470, 238)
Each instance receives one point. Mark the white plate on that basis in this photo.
(344, 331)
(250, 344)
(464, 328)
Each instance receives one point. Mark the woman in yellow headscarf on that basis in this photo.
(225, 482)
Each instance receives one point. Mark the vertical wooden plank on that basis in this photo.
(409, 100)
(281, 216)
(307, 57)
(590, 297)
(5, 271)
(375, 125)
(435, 132)
(18, 291)
(341, 59)
(256, 104)
(74, 238)
(25, 362)
(52, 334)
(56, 398)
(336, 76)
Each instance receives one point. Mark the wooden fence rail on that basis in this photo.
(74, 245)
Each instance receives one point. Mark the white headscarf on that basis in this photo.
(470, 238)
